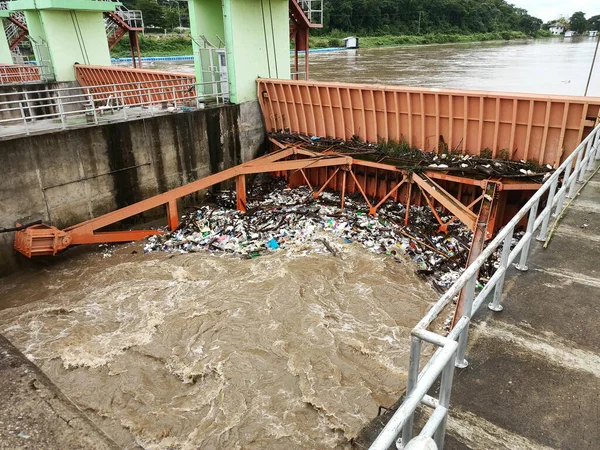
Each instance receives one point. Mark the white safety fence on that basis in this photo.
(451, 349)
(26, 112)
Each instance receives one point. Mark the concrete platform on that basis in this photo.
(533, 381)
(34, 414)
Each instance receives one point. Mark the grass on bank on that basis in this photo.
(181, 45)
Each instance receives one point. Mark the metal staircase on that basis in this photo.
(117, 25)
(304, 15)
(16, 28)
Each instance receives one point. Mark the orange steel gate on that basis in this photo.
(136, 82)
(521, 126)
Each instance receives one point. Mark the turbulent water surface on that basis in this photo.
(289, 350)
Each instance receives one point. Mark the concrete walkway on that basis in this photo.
(34, 414)
(533, 380)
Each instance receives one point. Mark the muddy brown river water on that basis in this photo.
(280, 352)
(198, 351)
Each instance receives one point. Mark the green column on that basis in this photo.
(5, 55)
(256, 34)
(67, 32)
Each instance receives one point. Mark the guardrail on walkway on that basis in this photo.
(452, 348)
(19, 73)
(25, 112)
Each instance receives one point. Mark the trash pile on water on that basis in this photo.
(402, 155)
(292, 220)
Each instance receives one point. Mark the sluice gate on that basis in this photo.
(424, 118)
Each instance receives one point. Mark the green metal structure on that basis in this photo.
(256, 38)
(5, 54)
(66, 32)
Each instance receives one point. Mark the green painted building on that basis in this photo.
(5, 54)
(66, 32)
(256, 37)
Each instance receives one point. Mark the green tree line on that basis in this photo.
(414, 17)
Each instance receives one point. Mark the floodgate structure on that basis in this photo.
(361, 353)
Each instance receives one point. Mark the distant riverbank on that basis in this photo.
(160, 45)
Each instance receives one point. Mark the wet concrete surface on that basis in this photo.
(533, 378)
(34, 414)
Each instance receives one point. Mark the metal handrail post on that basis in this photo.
(561, 197)
(575, 174)
(506, 247)
(522, 265)
(93, 103)
(61, 110)
(150, 102)
(585, 162)
(548, 209)
(124, 105)
(445, 392)
(24, 118)
(174, 97)
(597, 145)
(413, 377)
(460, 360)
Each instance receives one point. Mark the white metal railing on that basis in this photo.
(22, 113)
(451, 349)
(313, 10)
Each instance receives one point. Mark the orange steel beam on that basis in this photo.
(316, 194)
(464, 214)
(46, 240)
(374, 209)
(479, 238)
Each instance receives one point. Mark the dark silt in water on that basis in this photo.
(187, 351)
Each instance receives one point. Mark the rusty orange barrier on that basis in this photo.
(134, 86)
(19, 73)
(518, 126)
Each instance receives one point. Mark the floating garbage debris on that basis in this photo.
(279, 218)
(403, 156)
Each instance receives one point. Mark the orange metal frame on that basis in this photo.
(19, 73)
(521, 126)
(104, 78)
(348, 175)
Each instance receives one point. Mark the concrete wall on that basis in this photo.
(70, 176)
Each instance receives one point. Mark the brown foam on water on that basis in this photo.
(201, 351)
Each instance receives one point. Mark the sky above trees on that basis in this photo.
(552, 9)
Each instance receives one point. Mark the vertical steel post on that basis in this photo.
(561, 198)
(575, 175)
(445, 392)
(124, 105)
(24, 118)
(91, 99)
(150, 102)
(172, 215)
(586, 163)
(548, 209)
(469, 296)
(60, 109)
(522, 266)
(240, 192)
(413, 377)
(506, 247)
(597, 142)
